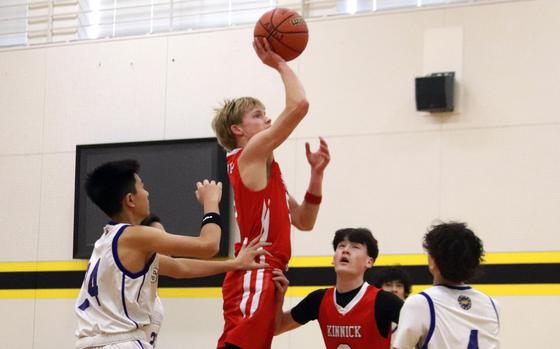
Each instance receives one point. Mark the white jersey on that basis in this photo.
(152, 330)
(448, 317)
(114, 304)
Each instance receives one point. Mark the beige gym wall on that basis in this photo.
(493, 164)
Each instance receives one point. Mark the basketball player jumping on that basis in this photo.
(262, 203)
(352, 314)
(450, 314)
(119, 289)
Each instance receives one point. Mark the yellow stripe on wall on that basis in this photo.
(55, 293)
(43, 266)
(313, 261)
(293, 291)
(522, 258)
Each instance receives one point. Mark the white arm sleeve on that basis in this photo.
(414, 323)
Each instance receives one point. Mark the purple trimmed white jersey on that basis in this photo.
(448, 317)
(114, 304)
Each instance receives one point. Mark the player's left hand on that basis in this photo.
(245, 259)
(266, 54)
(320, 159)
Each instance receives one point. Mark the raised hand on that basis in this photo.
(208, 192)
(320, 159)
(245, 259)
(266, 54)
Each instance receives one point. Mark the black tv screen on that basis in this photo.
(169, 170)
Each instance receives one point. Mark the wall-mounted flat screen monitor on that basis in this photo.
(169, 170)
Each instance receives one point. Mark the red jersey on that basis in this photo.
(264, 211)
(354, 326)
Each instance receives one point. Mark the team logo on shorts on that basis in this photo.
(465, 302)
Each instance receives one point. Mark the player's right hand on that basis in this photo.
(266, 54)
(281, 282)
(208, 191)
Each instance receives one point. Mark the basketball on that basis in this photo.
(285, 30)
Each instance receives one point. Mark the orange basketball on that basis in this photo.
(285, 30)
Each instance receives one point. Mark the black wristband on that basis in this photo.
(211, 217)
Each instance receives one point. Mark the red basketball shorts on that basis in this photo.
(249, 306)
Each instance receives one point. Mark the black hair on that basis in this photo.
(109, 183)
(455, 249)
(150, 219)
(393, 274)
(357, 235)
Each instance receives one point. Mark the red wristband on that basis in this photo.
(313, 199)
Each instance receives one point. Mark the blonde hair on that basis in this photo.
(231, 113)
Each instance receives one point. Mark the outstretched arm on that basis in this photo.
(259, 148)
(192, 268)
(283, 321)
(147, 240)
(304, 216)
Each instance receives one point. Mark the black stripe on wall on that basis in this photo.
(316, 276)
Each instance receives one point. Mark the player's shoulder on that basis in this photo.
(109, 231)
(387, 297)
(387, 302)
(232, 158)
(417, 298)
(319, 293)
(129, 230)
(478, 292)
(442, 289)
(418, 302)
(138, 237)
(315, 298)
(454, 290)
(484, 297)
(234, 154)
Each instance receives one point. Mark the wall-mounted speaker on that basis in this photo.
(434, 93)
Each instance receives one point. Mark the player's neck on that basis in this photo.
(241, 142)
(346, 283)
(126, 217)
(439, 280)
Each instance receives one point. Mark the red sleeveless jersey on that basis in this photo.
(354, 326)
(264, 211)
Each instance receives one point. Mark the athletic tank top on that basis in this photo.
(263, 211)
(460, 317)
(113, 301)
(353, 326)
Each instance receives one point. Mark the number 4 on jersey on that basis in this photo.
(93, 289)
(473, 340)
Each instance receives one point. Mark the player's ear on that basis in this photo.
(128, 200)
(431, 264)
(237, 130)
(370, 262)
